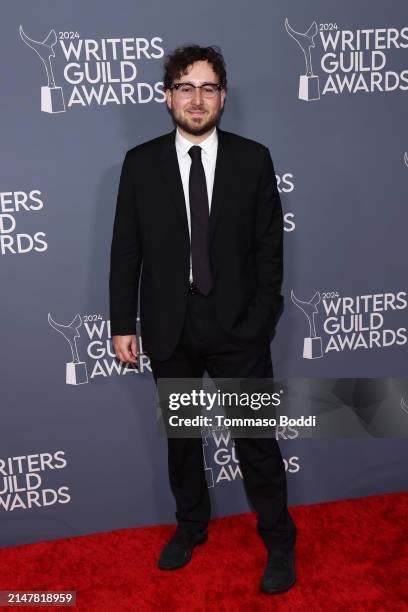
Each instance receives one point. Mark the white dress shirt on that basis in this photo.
(208, 157)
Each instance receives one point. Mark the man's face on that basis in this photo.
(196, 115)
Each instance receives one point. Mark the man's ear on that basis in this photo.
(223, 96)
(168, 98)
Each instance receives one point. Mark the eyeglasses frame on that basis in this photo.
(177, 85)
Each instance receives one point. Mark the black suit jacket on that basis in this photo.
(151, 238)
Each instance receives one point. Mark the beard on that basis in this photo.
(197, 129)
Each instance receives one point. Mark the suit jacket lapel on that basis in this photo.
(171, 173)
(224, 171)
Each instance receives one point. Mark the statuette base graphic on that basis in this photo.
(312, 348)
(209, 477)
(309, 87)
(52, 100)
(76, 373)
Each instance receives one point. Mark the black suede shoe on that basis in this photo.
(279, 573)
(179, 548)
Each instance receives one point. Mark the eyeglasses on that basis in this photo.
(187, 90)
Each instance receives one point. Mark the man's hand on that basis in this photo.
(126, 349)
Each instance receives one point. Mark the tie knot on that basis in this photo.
(195, 152)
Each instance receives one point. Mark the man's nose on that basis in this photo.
(197, 96)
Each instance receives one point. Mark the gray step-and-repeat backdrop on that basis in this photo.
(325, 88)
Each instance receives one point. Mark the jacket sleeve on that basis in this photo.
(269, 245)
(125, 257)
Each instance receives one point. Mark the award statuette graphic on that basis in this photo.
(76, 373)
(312, 346)
(309, 82)
(52, 98)
(207, 470)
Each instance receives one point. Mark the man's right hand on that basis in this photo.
(126, 348)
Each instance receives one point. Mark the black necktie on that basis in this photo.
(199, 223)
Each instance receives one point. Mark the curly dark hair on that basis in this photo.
(178, 61)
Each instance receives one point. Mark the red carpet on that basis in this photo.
(350, 555)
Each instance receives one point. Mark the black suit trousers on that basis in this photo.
(205, 346)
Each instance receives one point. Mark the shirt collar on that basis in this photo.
(208, 145)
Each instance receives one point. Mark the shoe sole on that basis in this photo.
(277, 591)
(201, 540)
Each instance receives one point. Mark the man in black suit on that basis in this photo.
(200, 209)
